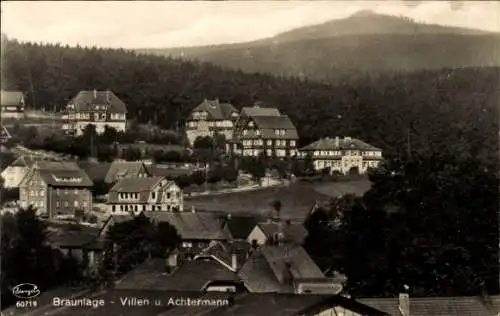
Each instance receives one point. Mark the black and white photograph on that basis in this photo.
(268, 158)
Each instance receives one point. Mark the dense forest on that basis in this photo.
(363, 42)
(428, 111)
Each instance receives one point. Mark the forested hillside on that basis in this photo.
(454, 110)
(363, 42)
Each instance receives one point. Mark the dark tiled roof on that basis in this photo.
(268, 124)
(56, 165)
(295, 232)
(167, 171)
(244, 304)
(65, 237)
(271, 269)
(192, 275)
(66, 178)
(438, 306)
(241, 226)
(84, 100)
(123, 169)
(343, 143)
(11, 97)
(216, 110)
(26, 161)
(260, 111)
(142, 186)
(114, 219)
(95, 171)
(191, 226)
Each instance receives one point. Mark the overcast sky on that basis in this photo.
(142, 24)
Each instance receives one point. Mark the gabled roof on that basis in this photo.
(56, 165)
(142, 186)
(72, 238)
(259, 111)
(65, 178)
(4, 133)
(295, 232)
(241, 226)
(123, 169)
(273, 269)
(114, 219)
(11, 97)
(191, 226)
(339, 144)
(132, 185)
(96, 171)
(216, 110)
(191, 275)
(84, 101)
(439, 306)
(26, 161)
(267, 126)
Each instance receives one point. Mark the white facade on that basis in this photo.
(342, 155)
(166, 197)
(257, 236)
(79, 126)
(13, 175)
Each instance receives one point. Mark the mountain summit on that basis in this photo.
(365, 42)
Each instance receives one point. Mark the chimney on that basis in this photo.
(95, 93)
(234, 262)
(172, 262)
(337, 142)
(404, 304)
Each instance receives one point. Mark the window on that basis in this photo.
(245, 132)
(292, 143)
(276, 132)
(58, 204)
(32, 193)
(76, 191)
(113, 208)
(282, 132)
(85, 204)
(257, 132)
(269, 142)
(168, 195)
(75, 204)
(66, 204)
(66, 192)
(58, 191)
(187, 244)
(153, 195)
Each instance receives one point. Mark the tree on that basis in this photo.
(109, 135)
(257, 167)
(131, 154)
(426, 218)
(131, 242)
(276, 204)
(26, 257)
(205, 142)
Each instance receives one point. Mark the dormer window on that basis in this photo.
(245, 132)
(250, 124)
(276, 132)
(282, 132)
(257, 132)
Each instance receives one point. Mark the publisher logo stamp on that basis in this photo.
(26, 291)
